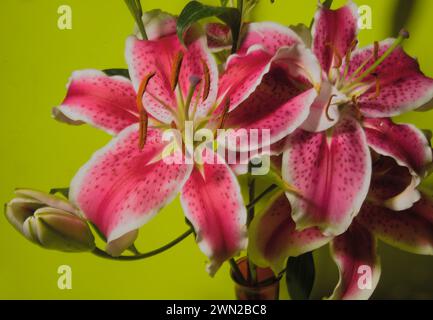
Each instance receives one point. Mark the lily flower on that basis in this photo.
(273, 236)
(328, 160)
(127, 182)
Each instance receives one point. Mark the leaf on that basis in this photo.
(195, 11)
(300, 274)
(224, 3)
(117, 72)
(403, 12)
(327, 4)
(62, 191)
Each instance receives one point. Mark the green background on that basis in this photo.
(36, 59)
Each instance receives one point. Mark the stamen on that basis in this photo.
(206, 87)
(328, 106)
(356, 105)
(348, 57)
(376, 50)
(377, 86)
(144, 118)
(403, 36)
(177, 63)
(224, 114)
(336, 54)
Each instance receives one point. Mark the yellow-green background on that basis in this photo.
(36, 59)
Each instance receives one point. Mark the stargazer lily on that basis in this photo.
(273, 236)
(127, 182)
(328, 160)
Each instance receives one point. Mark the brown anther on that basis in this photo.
(206, 87)
(175, 70)
(356, 105)
(224, 114)
(377, 86)
(404, 34)
(328, 106)
(173, 125)
(144, 118)
(336, 54)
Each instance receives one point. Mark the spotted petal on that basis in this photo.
(213, 203)
(333, 34)
(273, 236)
(404, 142)
(105, 102)
(410, 230)
(355, 255)
(331, 173)
(122, 187)
(160, 57)
(403, 87)
(269, 35)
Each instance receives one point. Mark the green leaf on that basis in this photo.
(62, 191)
(300, 274)
(224, 3)
(327, 4)
(195, 11)
(117, 72)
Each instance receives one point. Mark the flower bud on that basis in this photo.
(49, 221)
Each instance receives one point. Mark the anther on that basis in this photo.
(328, 106)
(206, 87)
(144, 118)
(177, 63)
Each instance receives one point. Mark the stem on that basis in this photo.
(102, 254)
(134, 7)
(237, 42)
(252, 270)
(260, 196)
(236, 270)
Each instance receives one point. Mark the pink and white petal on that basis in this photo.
(269, 35)
(354, 252)
(219, 37)
(410, 230)
(243, 74)
(322, 117)
(333, 33)
(276, 106)
(148, 57)
(403, 142)
(123, 187)
(273, 236)
(331, 172)
(212, 202)
(393, 186)
(196, 56)
(158, 24)
(403, 86)
(107, 103)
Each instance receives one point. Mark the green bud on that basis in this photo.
(49, 221)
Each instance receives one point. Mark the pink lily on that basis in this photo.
(273, 236)
(328, 160)
(123, 185)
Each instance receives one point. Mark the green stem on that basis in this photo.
(237, 41)
(102, 254)
(261, 196)
(134, 7)
(238, 274)
(252, 270)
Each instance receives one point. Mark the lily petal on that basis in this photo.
(159, 56)
(273, 236)
(276, 105)
(410, 230)
(212, 202)
(269, 35)
(403, 87)
(404, 142)
(107, 103)
(157, 24)
(393, 186)
(331, 173)
(333, 34)
(123, 187)
(355, 255)
(219, 37)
